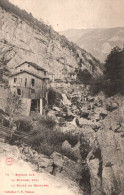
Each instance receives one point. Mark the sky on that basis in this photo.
(76, 14)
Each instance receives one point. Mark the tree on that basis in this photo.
(14, 105)
(114, 71)
(84, 76)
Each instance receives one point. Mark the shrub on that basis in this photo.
(6, 122)
(97, 85)
(47, 121)
(84, 76)
(14, 104)
(84, 147)
(23, 125)
(47, 141)
(54, 97)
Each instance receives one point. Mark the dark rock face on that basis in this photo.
(104, 155)
(63, 166)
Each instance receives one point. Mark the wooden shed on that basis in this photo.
(31, 87)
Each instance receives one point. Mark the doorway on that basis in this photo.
(35, 105)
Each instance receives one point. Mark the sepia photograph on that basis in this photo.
(62, 97)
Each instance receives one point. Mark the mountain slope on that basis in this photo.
(26, 39)
(98, 42)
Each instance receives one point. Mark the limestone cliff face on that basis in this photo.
(22, 41)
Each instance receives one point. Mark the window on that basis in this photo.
(20, 80)
(25, 82)
(19, 91)
(15, 79)
(32, 91)
(32, 82)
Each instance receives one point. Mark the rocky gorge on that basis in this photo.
(88, 156)
(94, 159)
(99, 121)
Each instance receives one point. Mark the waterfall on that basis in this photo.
(66, 101)
(73, 122)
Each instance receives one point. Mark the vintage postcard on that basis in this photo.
(61, 97)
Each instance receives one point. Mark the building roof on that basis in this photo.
(50, 73)
(29, 73)
(32, 64)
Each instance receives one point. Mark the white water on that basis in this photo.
(73, 122)
(66, 101)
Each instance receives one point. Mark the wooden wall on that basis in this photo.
(37, 91)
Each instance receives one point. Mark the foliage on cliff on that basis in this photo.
(9, 7)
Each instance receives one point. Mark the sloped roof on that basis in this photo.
(50, 73)
(29, 73)
(32, 64)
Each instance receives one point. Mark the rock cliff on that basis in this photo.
(21, 40)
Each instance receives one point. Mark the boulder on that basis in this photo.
(74, 107)
(84, 122)
(76, 152)
(69, 115)
(98, 102)
(74, 122)
(56, 109)
(53, 116)
(66, 147)
(63, 166)
(69, 127)
(90, 98)
(57, 159)
(96, 117)
(84, 112)
(113, 121)
(74, 98)
(95, 180)
(110, 106)
(102, 112)
(46, 164)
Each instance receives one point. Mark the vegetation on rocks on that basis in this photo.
(54, 97)
(112, 81)
(23, 15)
(23, 125)
(46, 137)
(84, 76)
(14, 104)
